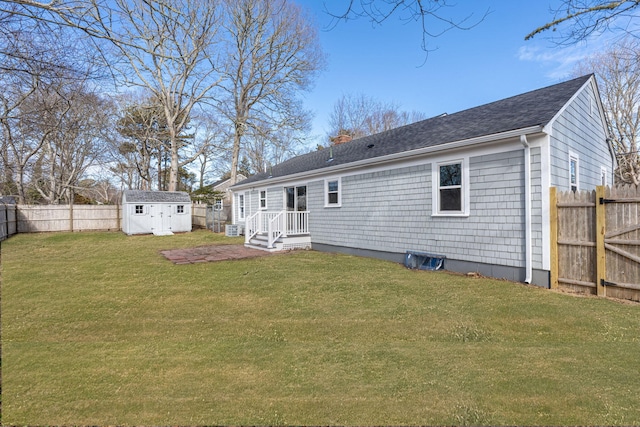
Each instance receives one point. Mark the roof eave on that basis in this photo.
(392, 157)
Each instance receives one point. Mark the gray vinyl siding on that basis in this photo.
(582, 132)
(391, 211)
(536, 208)
(380, 211)
(494, 232)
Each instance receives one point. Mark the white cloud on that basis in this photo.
(560, 61)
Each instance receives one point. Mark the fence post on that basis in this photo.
(553, 222)
(601, 275)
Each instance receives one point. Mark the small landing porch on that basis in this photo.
(277, 231)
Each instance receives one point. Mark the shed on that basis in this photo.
(159, 212)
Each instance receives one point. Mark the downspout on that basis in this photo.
(527, 209)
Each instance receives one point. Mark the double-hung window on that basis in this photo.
(603, 175)
(574, 169)
(450, 188)
(332, 193)
(241, 207)
(263, 199)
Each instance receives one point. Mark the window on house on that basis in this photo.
(332, 191)
(240, 206)
(217, 205)
(450, 188)
(263, 199)
(573, 172)
(139, 209)
(180, 209)
(603, 175)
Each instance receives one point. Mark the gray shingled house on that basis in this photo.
(471, 186)
(158, 212)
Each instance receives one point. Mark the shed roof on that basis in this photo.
(144, 196)
(535, 108)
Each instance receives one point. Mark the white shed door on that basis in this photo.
(161, 218)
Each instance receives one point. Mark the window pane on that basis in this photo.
(451, 175)
(333, 198)
(301, 198)
(290, 198)
(450, 199)
(333, 185)
(573, 166)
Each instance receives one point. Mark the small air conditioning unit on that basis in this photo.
(234, 230)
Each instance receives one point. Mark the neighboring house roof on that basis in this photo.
(144, 196)
(220, 184)
(7, 200)
(535, 108)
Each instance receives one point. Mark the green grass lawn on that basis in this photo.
(100, 329)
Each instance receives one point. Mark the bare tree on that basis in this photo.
(434, 16)
(586, 17)
(618, 72)
(166, 47)
(73, 132)
(266, 146)
(35, 64)
(361, 115)
(211, 142)
(272, 55)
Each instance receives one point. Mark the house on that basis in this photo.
(223, 206)
(472, 186)
(157, 212)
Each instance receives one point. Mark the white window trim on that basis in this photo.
(260, 199)
(604, 173)
(435, 188)
(326, 193)
(573, 156)
(242, 212)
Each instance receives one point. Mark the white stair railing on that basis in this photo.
(252, 226)
(276, 228)
(297, 222)
(276, 225)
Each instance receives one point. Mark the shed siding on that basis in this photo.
(579, 129)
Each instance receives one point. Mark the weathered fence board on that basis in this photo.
(46, 218)
(595, 239)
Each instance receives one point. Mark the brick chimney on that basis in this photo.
(341, 139)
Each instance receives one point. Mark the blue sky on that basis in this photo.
(467, 68)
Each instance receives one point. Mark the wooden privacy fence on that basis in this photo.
(45, 218)
(595, 241)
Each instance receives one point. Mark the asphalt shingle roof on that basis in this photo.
(533, 108)
(144, 196)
